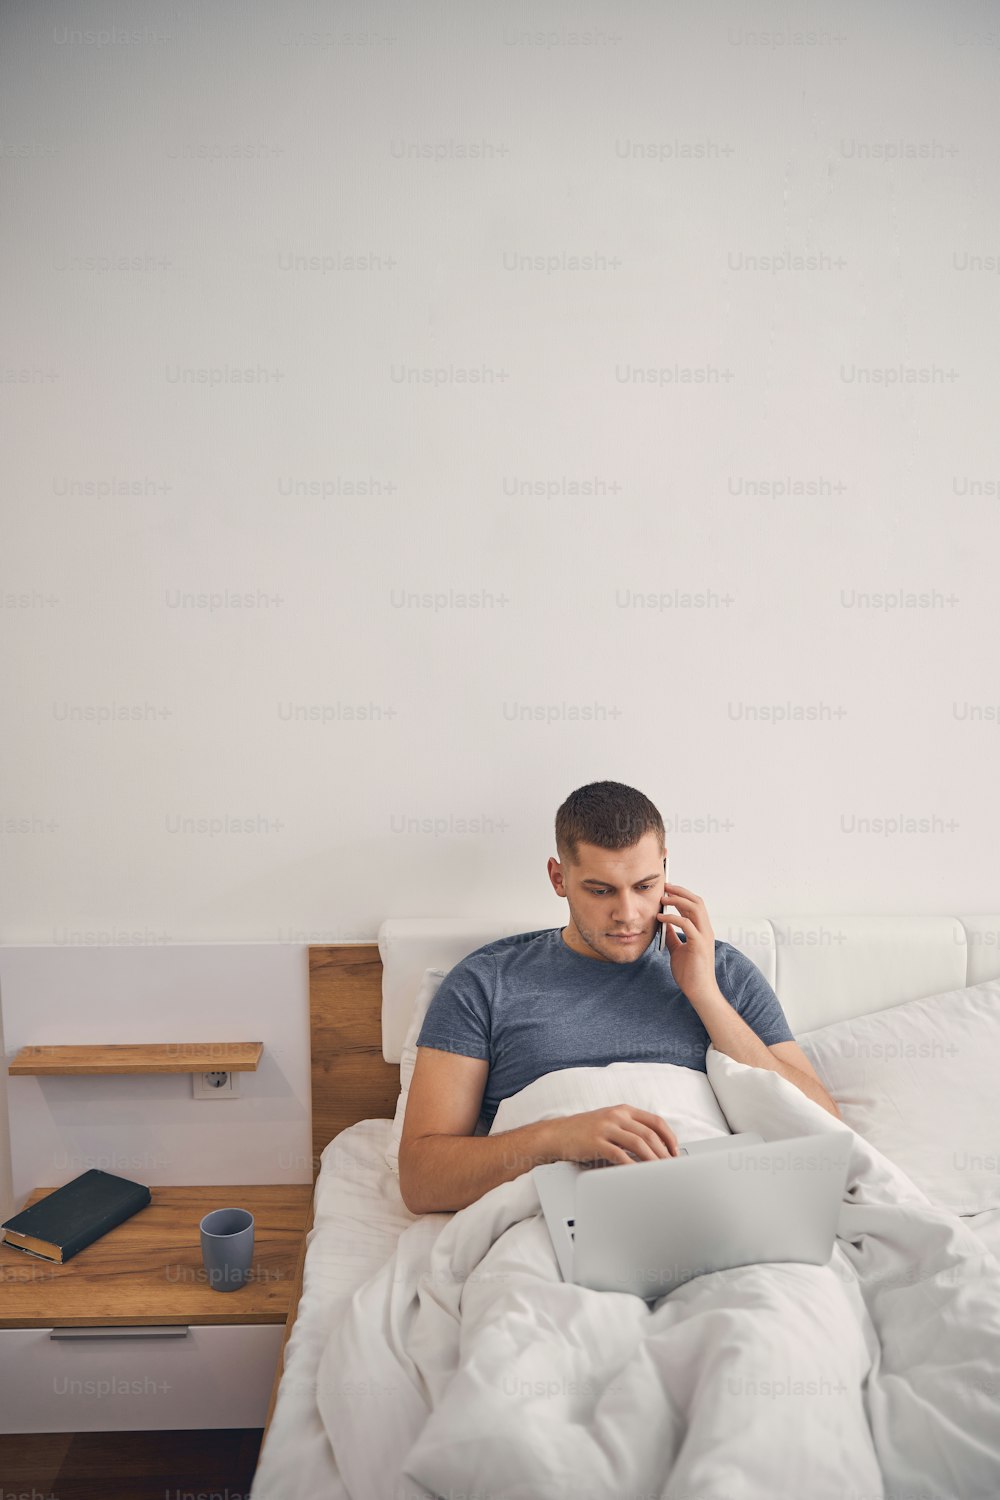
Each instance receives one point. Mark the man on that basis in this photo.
(594, 992)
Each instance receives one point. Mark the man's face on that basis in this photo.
(614, 896)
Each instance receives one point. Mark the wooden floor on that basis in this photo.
(129, 1465)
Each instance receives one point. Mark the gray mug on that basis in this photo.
(227, 1247)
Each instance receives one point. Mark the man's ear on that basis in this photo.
(556, 877)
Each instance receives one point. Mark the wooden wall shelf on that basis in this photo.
(140, 1057)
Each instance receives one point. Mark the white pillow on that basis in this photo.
(682, 1096)
(426, 991)
(920, 1082)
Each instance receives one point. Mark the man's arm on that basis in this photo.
(792, 1060)
(731, 1034)
(692, 963)
(443, 1168)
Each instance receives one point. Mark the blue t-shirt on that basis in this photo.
(531, 1005)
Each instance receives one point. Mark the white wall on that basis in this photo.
(151, 1129)
(229, 149)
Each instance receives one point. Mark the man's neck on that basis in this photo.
(584, 949)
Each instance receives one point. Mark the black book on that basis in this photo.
(65, 1222)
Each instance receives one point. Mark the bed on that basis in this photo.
(828, 972)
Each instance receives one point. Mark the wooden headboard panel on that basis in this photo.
(351, 1080)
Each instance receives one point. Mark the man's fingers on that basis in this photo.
(617, 1155)
(682, 891)
(663, 1140)
(655, 1145)
(626, 1137)
(669, 916)
(657, 1123)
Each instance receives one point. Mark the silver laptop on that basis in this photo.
(648, 1226)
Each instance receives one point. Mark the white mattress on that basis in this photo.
(358, 1218)
(359, 1215)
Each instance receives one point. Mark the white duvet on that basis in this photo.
(467, 1369)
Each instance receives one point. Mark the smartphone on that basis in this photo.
(662, 945)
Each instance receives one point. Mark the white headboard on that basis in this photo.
(822, 969)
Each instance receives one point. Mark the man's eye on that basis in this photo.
(606, 891)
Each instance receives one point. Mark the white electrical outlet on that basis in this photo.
(218, 1085)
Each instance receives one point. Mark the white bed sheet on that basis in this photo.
(987, 1226)
(359, 1216)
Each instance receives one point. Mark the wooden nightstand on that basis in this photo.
(128, 1335)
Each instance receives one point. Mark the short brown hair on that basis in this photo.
(607, 814)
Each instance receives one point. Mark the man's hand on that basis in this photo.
(692, 963)
(614, 1134)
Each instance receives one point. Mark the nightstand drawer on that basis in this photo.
(210, 1376)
